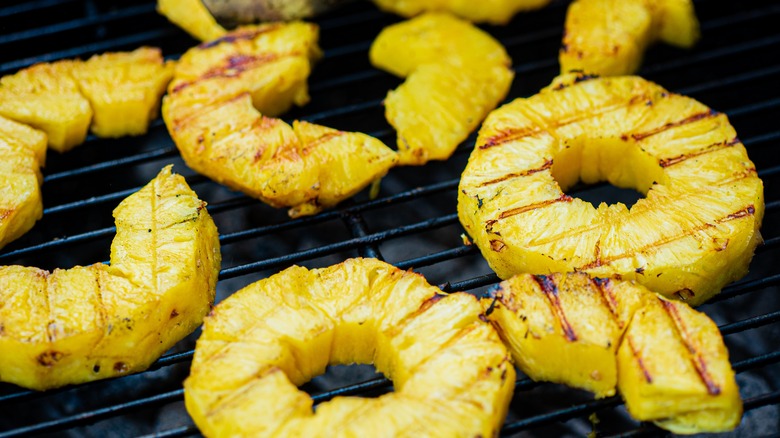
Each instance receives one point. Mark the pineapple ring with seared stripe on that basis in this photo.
(217, 112)
(88, 323)
(695, 230)
(452, 374)
(668, 361)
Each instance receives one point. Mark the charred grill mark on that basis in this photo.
(239, 35)
(424, 306)
(696, 357)
(233, 66)
(639, 361)
(690, 119)
(509, 135)
(497, 293)
(550, 289)
(519, 210)
(497, 245)
(666, 162)
(750, 210)
(321, 139)
(547, 165)
(604, 286)
(49, 358)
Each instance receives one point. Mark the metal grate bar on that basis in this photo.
(164, 152)
(358, 229)
(31, 6)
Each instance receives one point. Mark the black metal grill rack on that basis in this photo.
(412, 223)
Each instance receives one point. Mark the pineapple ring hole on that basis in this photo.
(624, 165)
(337, 376)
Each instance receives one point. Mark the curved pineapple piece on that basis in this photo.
(24, 153)
(490, 11)
(113, 94)
(193, 17)
(451, 372)
(673, 368)
(456, 75)
(695, 230)
(99, 321)
(218, 113)
(609, 37)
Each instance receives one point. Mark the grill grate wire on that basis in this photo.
(727, 71)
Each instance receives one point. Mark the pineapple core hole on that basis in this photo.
(337, 376)
(630, 170)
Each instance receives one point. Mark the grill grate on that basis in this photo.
(412, 224)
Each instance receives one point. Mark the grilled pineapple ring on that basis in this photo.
(88, 323)
(695, 230)
(668, 361)
(451, 372)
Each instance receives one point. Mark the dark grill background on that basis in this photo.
(412, 224)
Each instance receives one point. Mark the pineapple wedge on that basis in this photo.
(456, 75)
(193, 17)
(218, 112)
(490, 11)
(565, 328)
(24, 152)
(673, 369)
(87, 323)
(695, 230)
(452, 374)
(609, 37)
(124, 89)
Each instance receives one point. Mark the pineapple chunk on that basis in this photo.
(565, 328)
(695, 230)
(609, 37)
(24, 152)
(456, 75)
(46, 97)
(673, 368)
(218, 113)
(124, 90)
(100, 321)
(451, 371)
(490, 11)
(193, 17)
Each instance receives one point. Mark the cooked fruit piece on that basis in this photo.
(46, 97)
(217, 111)
(452, 374)
(88, 323)
(23, 151)
(695, 230)
(491, 11)
(124, 89)
(192, 16)
(252, 11)
(564, 328)
(673, 368)
(456, 75)
(609, 37)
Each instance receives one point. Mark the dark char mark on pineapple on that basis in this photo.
(232, 37)
(550, 289)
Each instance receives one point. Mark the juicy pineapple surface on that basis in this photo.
(451, 372)
(695, 230)
(490, 11)
(193, 17)
(87, 323)
(218, 112)
(113, 94)
(23, 151)
(667, 360)
(609, 37)
(457, 74)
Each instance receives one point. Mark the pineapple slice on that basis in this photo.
(100, 321)
(46, 97)
(218, 113)
(673, 369)
(609, 37)
(193, 17)
(456, 75)
(695, 230)
(24, 152)
(565, 328)
(451, 372)
(490, 11)
(124, 89)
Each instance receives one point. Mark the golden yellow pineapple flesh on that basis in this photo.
(456, 75)
(490, 11)
(693, 232)
(193, 17)
(673, 368)
(218, 112)
(87, 323)
(451, 372)
(23, 151)
(609, 37)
